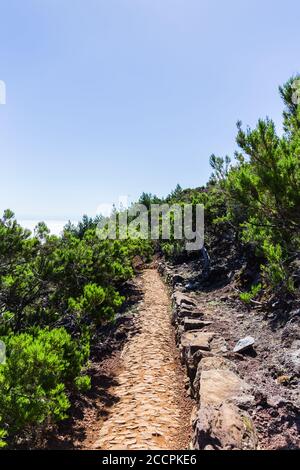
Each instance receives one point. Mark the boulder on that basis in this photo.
(222, 421)
(220, 385)
(224, 427)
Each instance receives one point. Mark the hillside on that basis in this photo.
(88, 330)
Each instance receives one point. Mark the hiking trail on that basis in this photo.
(150, 410)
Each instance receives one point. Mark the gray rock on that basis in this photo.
(244, 344)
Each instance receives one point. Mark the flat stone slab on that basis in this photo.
(189, 311)
(244, 344)
(195, 324)
(196, 340)
(182, 299)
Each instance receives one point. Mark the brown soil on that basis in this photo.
(138, 399)
(271, 367)
(266, 367)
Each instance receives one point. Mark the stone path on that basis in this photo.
(148, 413)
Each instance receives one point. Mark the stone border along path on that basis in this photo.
(220, 419)
(151, 412)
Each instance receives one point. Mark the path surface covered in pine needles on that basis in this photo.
(150, 410)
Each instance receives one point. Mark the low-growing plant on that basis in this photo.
(34, 380)
(247, 297)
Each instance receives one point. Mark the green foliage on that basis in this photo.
(220, 168)
(97, 302)
(256, 199)
(3, 435)
(83, 383)
(263, 191)
(46, 282)
(248, 296)
(273, 270)
(34, 377)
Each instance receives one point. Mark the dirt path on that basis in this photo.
(151, 411)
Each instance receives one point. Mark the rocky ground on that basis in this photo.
(142, 397)
(244, 400)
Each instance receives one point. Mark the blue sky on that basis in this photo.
(116, 97)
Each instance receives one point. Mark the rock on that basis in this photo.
(179, 332)
(199, 355)
(221, 423)
(219, 363)
(276, 401)
(244, 344)
(195, 324)
(224, 427)
(218, 345)
(181, 299)
(195, 340)
(221, 385)
(208, 363)
(189, 311)
(244, 402)
(160, 267)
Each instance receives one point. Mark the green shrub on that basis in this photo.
(33, 381)
(248, 296)
(98, 303)
(83, 383)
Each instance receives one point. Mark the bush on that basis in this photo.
(34, 378)
(97, 303)
(248, 296)
(71, 281)
(83, 383)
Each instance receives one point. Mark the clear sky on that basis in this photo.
(117, 97)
